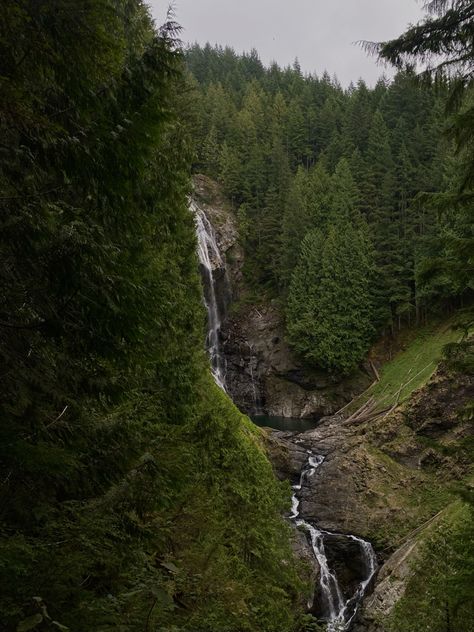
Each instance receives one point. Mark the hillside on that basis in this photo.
(134, 496)
(401, 480)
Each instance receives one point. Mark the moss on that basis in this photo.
(411, 367)
(440, 593)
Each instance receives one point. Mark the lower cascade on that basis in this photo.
(337, 607)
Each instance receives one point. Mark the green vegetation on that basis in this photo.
(413, 496)
(274, 139)
(426, 452)
(329, 302)
(443, 42)
(411, 367)
(133, 495)
(439, 594)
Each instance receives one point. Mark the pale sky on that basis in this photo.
(321, 33)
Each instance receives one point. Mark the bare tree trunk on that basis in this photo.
(448, 618)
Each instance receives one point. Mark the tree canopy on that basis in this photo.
(281, 138)
(133, 495)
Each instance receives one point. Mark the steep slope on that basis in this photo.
(263, 374)
(134, 496)
(395, 480)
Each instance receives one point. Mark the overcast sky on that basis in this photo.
(321, 33)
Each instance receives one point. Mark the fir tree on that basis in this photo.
(329, 305)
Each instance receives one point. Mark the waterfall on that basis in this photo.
(211, 260)
(340, 610)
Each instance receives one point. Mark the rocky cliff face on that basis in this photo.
(262, 374)
(388, 480)
(265, 376)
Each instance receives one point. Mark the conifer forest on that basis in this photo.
(236, 316)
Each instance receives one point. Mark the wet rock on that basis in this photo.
(287, 457)
(347, 559)
(390, 587)
(265, 377)
(303, 551)
(374, 482)
(208, 195)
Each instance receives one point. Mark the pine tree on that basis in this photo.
(296, 133)
(444, 42)
(307, 208)
(329, 304)
(230, 172)
(381, 216)
(211, 152)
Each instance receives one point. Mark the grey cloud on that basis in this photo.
(321, 34)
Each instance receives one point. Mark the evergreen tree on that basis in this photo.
(329, 304)
(381, 215)
(392, 137)
(444, 43)
(130, 483)
(307, 207)
(230, 172)
(210, 152)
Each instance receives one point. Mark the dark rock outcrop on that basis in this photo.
(263, 375)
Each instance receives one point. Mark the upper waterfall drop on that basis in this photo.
(211, 260)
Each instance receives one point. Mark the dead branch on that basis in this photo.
(374, 369)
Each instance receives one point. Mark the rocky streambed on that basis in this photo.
(386, 482)
(345, 564)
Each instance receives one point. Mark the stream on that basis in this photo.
(338, 609)
(337, 600)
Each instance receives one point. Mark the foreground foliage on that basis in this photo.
(133, 496)
(440, 595)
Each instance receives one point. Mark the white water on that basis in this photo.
(340, 610)
(254, 389)
(210, 260)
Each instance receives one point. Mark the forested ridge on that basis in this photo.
(326, 184)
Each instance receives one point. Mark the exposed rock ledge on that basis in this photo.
(382, 480)
(390, 587)
(262, 373)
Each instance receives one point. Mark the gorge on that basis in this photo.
(332, 602)
(346, 476)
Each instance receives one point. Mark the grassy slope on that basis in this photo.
(410, 368)
(413, 467)
(409, 476)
